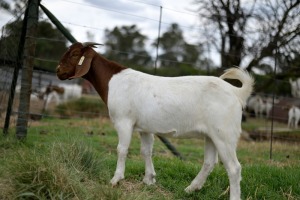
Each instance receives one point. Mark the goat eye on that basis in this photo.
(74, 55)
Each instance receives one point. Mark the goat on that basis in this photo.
(295, 87)
(294, 117)
(255, 104)
(182, 107)
(267, 105)
(261, 105)
(60, 93)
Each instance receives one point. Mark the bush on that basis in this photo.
(87, 107)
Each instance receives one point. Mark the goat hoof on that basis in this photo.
(190, 189)
(115, 180)
(149, 181)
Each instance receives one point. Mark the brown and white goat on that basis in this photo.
(60, 93)
(183, 107)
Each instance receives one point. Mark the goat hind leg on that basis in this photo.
(210, 159)
(147, 141)
(227, 152)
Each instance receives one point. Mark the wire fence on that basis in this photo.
(41, 79)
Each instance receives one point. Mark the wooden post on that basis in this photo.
(27, 69)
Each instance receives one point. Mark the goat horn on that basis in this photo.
(90, 44)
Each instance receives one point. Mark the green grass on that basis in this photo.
(75, 159)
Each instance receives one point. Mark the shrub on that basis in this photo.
(83, 107)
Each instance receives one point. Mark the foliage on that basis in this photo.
(176, 51)
(50, 45)
(126, 44)
(252, 30)
(18, 7)
(265, 84)
(83, 107)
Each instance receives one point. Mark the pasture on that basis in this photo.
(69, 149)
(75, 159)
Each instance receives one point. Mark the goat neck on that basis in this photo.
(100, 74)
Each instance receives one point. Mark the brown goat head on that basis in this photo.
(76, 61)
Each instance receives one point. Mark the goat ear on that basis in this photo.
(84, 64)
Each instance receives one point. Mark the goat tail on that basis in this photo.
(247, 83)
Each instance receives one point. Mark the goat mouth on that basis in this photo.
(63, 76)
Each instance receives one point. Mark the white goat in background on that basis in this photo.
(295, 87)
(294, 117)
(261, 105)
(60, 93)
(255, 104)
(267, 106)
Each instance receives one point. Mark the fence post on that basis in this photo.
(273, 99)
(58, 25)
(164, 140)
(158, 38)
(27, 70)
(15, 74)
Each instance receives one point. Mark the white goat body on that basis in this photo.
(70, 92)
(178, 106)
(294, 117)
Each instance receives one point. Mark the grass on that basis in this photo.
(75, 159)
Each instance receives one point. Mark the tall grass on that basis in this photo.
(56, 171)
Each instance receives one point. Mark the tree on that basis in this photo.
(127, 45)
(51, 44)
(279, 25)
(251, 30)
(17, 10)
(176, 51)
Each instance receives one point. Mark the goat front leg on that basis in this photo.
(147, 141)
(124, 134)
